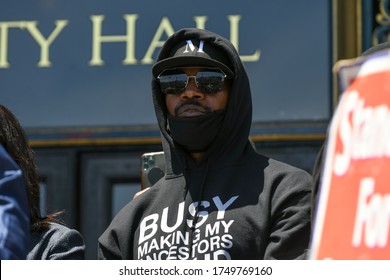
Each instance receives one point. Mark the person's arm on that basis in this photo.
(291, 218)
(116, 242)
(14, 211)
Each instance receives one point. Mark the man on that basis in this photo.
(219, 199)
(14, 211)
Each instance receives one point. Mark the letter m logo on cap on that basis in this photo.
(191, 47)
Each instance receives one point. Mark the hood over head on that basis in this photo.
(198, 47)
(194, 52)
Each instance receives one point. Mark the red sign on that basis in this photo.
(353, 218)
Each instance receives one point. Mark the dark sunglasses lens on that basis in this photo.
(210, 81)
(172, 82)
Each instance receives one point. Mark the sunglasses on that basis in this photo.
(175, 81)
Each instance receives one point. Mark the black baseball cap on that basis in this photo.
(194, 53)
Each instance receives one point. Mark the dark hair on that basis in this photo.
(14, 140)
(377, 48)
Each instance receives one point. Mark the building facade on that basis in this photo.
(77, 75)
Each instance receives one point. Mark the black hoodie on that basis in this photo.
(250, 206)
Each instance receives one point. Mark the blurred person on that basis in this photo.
(49, 238)
(319, 162)
(14, 211)
(352, 155)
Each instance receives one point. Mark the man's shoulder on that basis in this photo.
(287, 168)
(288, 176)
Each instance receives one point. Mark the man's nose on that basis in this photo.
(192, 91)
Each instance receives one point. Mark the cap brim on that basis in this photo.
(174, 62)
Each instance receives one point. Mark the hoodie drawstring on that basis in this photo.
(196, 216)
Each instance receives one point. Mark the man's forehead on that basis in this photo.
(194, 68)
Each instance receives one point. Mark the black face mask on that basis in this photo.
(197, 133)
